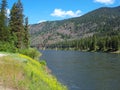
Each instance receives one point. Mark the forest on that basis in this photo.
(14, 32)
(106, 43)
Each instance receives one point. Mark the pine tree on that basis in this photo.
(12, 24)
(16, 24)
(3, 24)
(26, 39)
(20, 28)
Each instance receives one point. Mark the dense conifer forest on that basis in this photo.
(95, 43)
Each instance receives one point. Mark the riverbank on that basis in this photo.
(20, 72)
(117, 52)
(72, 49)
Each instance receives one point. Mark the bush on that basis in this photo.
(31, 52)
(7, 47)
(43, 62)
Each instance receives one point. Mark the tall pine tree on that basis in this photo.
(3, 23)
(26, 38)
(16, 24)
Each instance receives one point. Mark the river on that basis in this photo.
(84, 70)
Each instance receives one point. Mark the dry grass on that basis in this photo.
(11, 73)
(21, 72)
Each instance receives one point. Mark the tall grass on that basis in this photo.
(23, 73)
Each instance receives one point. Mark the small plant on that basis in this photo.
(43, 62)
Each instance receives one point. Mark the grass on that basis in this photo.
(21, 72)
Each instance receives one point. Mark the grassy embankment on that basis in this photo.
(21, 72)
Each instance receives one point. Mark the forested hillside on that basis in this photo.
(101, 22)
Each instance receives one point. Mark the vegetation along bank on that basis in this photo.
(20, 72)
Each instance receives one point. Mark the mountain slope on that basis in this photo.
(100, 21)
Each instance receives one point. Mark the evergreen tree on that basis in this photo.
(16, 24)
(26, 39)
(13, 24)
(20, 28)
(3, 24)
(115, 43)
(93, 44)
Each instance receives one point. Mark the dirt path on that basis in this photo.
(3, 88)
(1, 85)
(1, 55)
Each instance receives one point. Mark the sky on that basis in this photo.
(49, 10)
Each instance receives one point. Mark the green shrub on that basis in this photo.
(7, 47)
(31, 52)
(43, 62)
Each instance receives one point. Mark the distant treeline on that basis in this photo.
(13, 28)
(95, 43)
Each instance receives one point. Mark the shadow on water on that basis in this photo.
(85, 70)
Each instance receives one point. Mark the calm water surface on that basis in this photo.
(85, 70)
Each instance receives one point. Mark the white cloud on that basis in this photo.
(105, 1)
(42, 21)
(62, 13)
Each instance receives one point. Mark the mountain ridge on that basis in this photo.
(100, 21)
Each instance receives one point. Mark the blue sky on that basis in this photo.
(49, 10)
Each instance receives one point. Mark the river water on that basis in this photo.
(84, 70)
